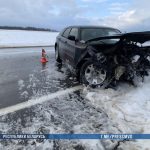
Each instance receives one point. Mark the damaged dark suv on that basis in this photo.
(102, 55)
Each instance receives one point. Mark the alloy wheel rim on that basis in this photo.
(94, 76)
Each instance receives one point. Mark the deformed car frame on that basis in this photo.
(107, 59)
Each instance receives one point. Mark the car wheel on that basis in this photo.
(57, 55)
(91, 75)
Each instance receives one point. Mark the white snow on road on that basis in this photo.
(128, 108)
(19, 38)
(36, 101)
(125, 110)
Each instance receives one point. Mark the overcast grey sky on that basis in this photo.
(123, 14)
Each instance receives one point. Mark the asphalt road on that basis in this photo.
(22, 76)
(24, 83)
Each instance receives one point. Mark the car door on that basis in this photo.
(63, 44)
(72, 45)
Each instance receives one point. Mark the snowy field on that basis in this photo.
(19, 38)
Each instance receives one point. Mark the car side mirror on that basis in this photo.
(71, 37)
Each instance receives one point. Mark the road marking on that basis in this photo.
(39, 100)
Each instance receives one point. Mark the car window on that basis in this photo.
(91, 33)
(74, 32)
(66, 33)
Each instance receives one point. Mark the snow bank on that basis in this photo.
(128, 108)
(19, 38)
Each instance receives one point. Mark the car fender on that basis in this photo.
(86, 56)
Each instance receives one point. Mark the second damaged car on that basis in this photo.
(101, 56)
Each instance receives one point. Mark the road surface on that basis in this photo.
(22, 75)
(45, 99)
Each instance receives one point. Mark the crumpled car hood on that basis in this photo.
(140, 37)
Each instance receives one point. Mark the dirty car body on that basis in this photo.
(108, 57)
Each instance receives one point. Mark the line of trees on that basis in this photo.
(26, 28)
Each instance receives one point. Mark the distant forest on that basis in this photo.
(27, 28)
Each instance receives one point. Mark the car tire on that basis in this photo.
(83, 75)
(57, 57)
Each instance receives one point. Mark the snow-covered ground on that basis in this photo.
(127, 107)
(102, 111)
(125, 110)
(19, 38)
